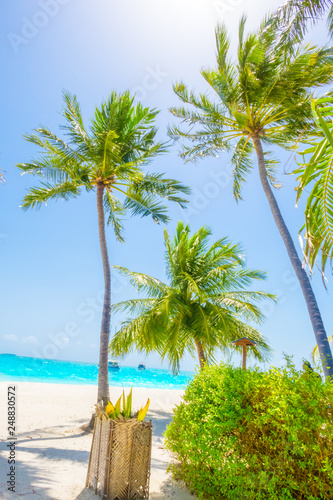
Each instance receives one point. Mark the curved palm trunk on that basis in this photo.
(103, 372)
(201, 354)
(310, 299)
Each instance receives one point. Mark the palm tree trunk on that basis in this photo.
(103, 372)
(201, 354)
(310, 299)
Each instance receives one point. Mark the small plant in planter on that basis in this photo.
(116, 411)
(119, 463)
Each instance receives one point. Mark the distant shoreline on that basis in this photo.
(90, 363)
(27, 369)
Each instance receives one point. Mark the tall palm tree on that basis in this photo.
(261, 99)
(204, 307)
(316, 171)
(107, 159)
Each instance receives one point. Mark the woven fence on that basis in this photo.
(119, 463)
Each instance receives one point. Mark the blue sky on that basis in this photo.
(51, 272)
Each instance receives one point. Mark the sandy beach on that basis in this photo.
(52, 451)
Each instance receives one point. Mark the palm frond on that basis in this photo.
(74, 127)
(134, 306)
(143, 282)
(114, 208)
(294, 18)
(317, 172)
(271, 167)
(157, 185)
(242, 162)
(145, 205)
(143, 333)
(39, 195)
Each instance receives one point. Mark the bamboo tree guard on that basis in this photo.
(119, 463)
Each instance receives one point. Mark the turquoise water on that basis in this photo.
(16, 368)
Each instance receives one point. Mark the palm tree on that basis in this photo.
(317, 171)
(107, 159)
(314, 352)
(263, 98)
(204, 307)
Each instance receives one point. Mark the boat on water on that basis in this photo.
(141, 366)
(114, 365)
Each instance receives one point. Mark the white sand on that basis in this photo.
(52, 451)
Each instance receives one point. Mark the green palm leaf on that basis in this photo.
(115, 210)
(317, 172)
(294, 18)
(39, 195)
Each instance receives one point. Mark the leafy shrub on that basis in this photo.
(254, 435)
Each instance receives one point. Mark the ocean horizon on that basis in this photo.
(28, 369)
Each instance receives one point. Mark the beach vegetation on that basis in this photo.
(254, 435)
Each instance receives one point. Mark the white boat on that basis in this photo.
(114, 365)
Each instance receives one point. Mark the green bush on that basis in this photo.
(254, 435)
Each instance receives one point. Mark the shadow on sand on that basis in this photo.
(25, 475)
(30, 474)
